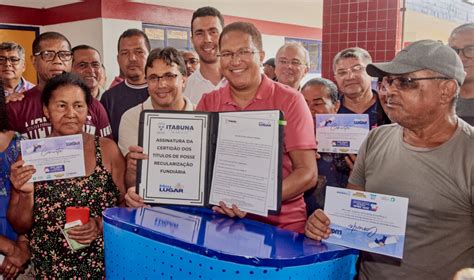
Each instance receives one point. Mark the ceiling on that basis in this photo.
(38, 4)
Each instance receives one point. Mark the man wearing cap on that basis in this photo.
(424, 156)
(269, 69)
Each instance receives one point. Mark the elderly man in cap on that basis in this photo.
(426, 155)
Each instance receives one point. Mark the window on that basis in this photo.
(168, 36)
(314, 49)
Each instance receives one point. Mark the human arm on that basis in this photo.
(350, 160)
(115, 163)
(132, 199)
(20, 210)
(14, 97)
(304, 174)
(317, 225)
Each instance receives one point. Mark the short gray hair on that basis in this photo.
(297, 45)
(462, 27)
(11, 46)
(331, 87)
(356, 52)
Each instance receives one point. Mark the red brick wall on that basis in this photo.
(375, 25)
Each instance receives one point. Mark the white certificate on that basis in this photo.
(55, 157)
(367, 221)
(245, 164)
(176, 146)
(341, 133)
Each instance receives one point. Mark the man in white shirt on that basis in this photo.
(206, 26)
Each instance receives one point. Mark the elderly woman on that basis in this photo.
(13, 248)
(39, 208)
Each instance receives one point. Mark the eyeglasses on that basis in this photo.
(241, 54)
(467, 51)
(405, 83)
(51, 55)
(293, 62)
(13, 60)
(167, 77)
(192, 61)
(356, 69)
(85, 65)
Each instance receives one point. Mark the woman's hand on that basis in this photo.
(20, 175)
(87, 233)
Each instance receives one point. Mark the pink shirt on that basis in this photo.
(298, 135)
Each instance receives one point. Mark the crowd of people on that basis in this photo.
(421, 116)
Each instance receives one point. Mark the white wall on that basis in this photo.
(299, 12)
(87, 32)
(416, 23)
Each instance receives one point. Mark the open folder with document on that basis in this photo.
(202, 158)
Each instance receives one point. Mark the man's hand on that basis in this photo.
(350, 160)
(14, 97)
(132, 199)
(135, 153)
(317, 226)
(231, 212)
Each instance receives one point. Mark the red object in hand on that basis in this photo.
(77, 213)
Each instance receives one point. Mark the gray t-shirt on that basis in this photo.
(440, 187)
(465, 109)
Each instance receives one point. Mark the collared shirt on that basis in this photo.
(22, 86)
(377, 115)
(128, 130)
(298, 135)
(197, 85)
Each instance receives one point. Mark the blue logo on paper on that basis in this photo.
(337, 143)
(336, 233)
(167, 188)
(360, 121)
(54, 168)
(364, 205)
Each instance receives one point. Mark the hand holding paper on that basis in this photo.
(20, 174)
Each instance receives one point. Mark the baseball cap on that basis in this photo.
(420, 55)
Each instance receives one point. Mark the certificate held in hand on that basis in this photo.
(200, 159)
